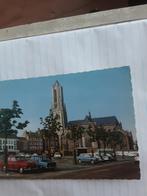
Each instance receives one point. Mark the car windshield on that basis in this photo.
(57, 153)
(85, 155)
(20, 158)
(44, 160)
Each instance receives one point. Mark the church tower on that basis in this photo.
(58, 106)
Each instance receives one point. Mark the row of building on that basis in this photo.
(34, 142)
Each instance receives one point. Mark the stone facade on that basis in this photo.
(59, 110)
(58, 105)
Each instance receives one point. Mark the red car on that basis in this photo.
(15, 164)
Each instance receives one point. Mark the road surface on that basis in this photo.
(114, 170)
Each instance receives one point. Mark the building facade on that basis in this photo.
(10, 142)
(109, 124)
(31, 142)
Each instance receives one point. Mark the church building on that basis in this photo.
(109, 123)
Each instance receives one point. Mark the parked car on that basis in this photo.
(20, 165)
(104, 157)
(136, 158)
(98, 157)
(27, 156)
(107, 157)
(57, 155)
(43, 162)
(87, 158)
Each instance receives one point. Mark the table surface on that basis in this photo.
(18, 12)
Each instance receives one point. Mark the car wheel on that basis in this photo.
(4, 168)
(21, 170)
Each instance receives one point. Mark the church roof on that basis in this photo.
(110, 120)
(79, 122)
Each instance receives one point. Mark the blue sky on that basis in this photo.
(104, 93)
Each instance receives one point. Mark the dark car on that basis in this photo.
(87, 158)
(43, 162)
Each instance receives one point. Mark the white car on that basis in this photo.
(105, 157)
(57, 155)
(98, 157)
(136, 159)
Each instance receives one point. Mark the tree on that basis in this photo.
(104, 136)
(100, 136)
(92, 134)
(74, 133)
(9, 124)
(115, 139)
(51, 127)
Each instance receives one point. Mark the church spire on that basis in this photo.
(56, 83)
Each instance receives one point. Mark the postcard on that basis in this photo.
(70, 126)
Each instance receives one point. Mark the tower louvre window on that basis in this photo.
(55, 98)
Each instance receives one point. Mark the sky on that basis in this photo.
(105, 92)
